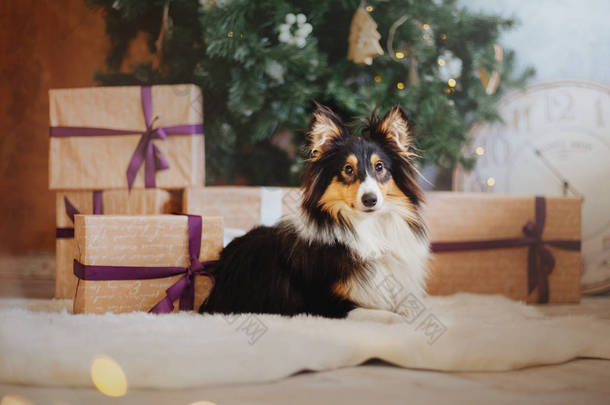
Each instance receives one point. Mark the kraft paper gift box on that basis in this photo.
(140, 247)
(497, 244)
(123, 137)
(69, 203)
(242, 207)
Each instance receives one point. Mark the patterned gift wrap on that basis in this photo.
(144, 263)
(70, 203)
(124, 137)
(526, 248)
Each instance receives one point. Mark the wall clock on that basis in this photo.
(555, 141)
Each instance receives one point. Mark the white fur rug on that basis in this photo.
(41, 343)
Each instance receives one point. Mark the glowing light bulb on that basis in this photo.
(400, 85)
(491, 181)
(377, 78)
(400, 55)
(369, 8)
(479, 150)
(451, 82)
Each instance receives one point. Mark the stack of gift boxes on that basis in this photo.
(124, 159)
(126, 151)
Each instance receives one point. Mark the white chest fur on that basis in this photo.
(396, 258)
(394, 255)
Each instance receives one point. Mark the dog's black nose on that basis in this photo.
(369, 200)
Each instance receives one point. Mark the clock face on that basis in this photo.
(555, 141)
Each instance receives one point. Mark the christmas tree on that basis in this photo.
(262, 64)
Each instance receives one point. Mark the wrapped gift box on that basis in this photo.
(132, 243)
(242, 207)
(481, 246)
(136, 202)
(97, 133)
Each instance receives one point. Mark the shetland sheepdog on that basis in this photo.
(358, 230)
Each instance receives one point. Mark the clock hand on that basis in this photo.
(566, 185)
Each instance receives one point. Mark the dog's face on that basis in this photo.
(349, 177)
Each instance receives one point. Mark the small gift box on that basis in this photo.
(124, 137)
(242, 207)
(144, 263)
(526, 248)
(70, 203)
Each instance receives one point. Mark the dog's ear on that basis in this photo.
(395, 128)
(326, 127)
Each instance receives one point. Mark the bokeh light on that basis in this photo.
(108, 376)
(14, 400)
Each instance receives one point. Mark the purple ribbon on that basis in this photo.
(71, 210)
(146, 151)
(183, 289)
(540, 260)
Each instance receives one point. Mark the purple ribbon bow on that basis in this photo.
(183, 289)
(540, 260)
(71, 210)
(146, 151)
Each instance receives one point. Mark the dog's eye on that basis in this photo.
(348, 169)
(379, 166)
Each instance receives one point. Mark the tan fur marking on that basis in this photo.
(342, 290)
(396, 128)
(374, 159)
(322, 131)
(393, 195)
(339, 196)
(352, 160)
(391, 190)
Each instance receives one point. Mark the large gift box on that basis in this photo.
(242, 207)
(70, 203)
(156, 263)
(124, 137)
(526, 248)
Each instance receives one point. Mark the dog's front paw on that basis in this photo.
(374, 315)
